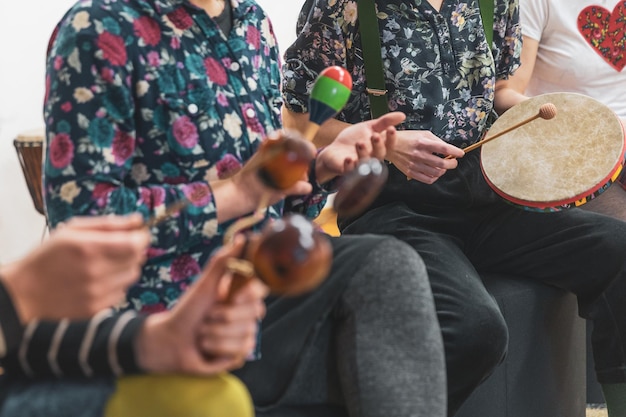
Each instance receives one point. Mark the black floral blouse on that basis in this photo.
(438, 68)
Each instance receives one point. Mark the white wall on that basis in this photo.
(24, 33)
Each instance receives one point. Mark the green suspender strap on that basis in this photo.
(486, 14)
(372, 59)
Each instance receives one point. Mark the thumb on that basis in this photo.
(387, 120)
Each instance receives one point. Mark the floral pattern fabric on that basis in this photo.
(438, 67)
(147, 101)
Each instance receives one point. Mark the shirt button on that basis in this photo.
(234, 66)
(250, 113)
(193, 108)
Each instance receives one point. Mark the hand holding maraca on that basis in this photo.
(281, 163)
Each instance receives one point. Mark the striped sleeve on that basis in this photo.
(101, 346)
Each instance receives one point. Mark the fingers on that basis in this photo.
(105, 223)
(254, 291)
(236, 339)
(379, 146)
(387, 120)
(299, 188)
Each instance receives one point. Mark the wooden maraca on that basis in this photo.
(330, 93)
(282, 160)
(289, 255)
(356, 191)
(360, 187)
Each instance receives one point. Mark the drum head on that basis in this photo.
(548, 165)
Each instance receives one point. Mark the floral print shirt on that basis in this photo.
(147, 101)
(438, 67)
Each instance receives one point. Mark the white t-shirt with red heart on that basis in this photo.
(582, 48)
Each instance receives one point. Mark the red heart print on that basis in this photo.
(605, 31)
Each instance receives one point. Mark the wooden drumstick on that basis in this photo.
(547, 111)
(330, 93)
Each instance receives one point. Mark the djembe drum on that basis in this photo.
(552, 165)
(29, 147)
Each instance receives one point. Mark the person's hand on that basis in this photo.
(416, 154)
(86, 265)
(370, 139)
(244, 191)
(249, 183)
(205, 333)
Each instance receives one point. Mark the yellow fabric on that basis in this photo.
(180, 396)
(327, 220)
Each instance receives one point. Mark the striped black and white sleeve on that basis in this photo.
(101, 346)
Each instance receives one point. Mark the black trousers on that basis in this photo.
(461, 228)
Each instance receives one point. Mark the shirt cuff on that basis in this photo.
(326, 188)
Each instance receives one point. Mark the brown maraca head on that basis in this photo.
(285, 156)
(360, 187)
(290, 256)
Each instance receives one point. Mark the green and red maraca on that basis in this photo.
(330, 93)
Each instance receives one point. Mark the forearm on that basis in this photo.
(102, 346)
(507, 97)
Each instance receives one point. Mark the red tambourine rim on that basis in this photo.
(609, 179)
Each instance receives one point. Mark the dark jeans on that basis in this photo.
(461, 228)
(55, 398)
(365, 343)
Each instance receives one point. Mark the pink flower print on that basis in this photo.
(107, 75)
(100, 193)
(184, 267)
(251, 121)
(151, 197)
(215, 71)
(154, 58)
(113, 48)
(58, 62)
(153, 308)
(253, 37)
(66, 107)
(61, 151)
(155, 252)
(158, 196)
(123, 147)
(199, 194)
(185, 132)
(145, 198)
(222, 100)
(175, 43)
(180, 18)
(147, 29)
(227, 166)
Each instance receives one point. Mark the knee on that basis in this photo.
(478, 342)
(392, 273)
(181, 396)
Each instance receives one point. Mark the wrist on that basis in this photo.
(234, 197)
(153, 346)
(319, 181)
